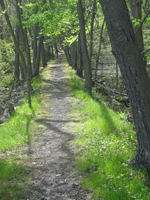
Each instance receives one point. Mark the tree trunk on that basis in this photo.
(72, 48)
(3, 48)
(44, 62)
(117, 76)
(35, 34)
(68, 55)
(74, 66)
(91, 32)
(135, 76)
(26, 49)
(16, 71)
(99, 49)
(52, 51)
(24, 68)
(136, 12)
(48, 53)
(37, 62)
(56, 50)
(86, 61)
(74, 55)
(79, 71)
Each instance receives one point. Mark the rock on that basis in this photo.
(10, 101)
(2, 120)
(1, 109)
(11, 108)
(6, 113)
(21, 101)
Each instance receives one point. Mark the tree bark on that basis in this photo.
(35, 34)
(99, 49)
(16, 71)
(3, 48)
(26, 49)
(79, 71)
(135, 76)
(68, 56)
(37, 62)
(74, 55)
(72, 48)
(91, 32)
(44, 62)
(48, 53)
(24, 69)
(52, 51)
(86, 61)
(74, 65)
(56, 50)
(136, 12)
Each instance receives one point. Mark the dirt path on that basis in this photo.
(50, 153)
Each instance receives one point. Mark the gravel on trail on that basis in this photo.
(54, 176)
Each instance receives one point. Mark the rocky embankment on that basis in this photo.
(9, 100)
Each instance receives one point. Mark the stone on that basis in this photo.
(21, 101)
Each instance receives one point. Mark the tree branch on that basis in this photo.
(142, 22)
(146, 51)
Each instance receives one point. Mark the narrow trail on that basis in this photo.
(53, 172)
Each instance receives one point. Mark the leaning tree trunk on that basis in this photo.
(135, 76)
(86, 61)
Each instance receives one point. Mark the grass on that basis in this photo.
(11, 184)
(105, 143)
(13, 133)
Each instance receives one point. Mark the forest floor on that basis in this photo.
(49, 153)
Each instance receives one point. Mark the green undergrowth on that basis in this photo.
(13, 133)
(11, 184)
(105, 143)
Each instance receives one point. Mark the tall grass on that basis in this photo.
(105, 143)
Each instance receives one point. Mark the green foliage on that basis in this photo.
(53, 18)
(106, 142)
(136, 22)
(119, 97)
(6, 63)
